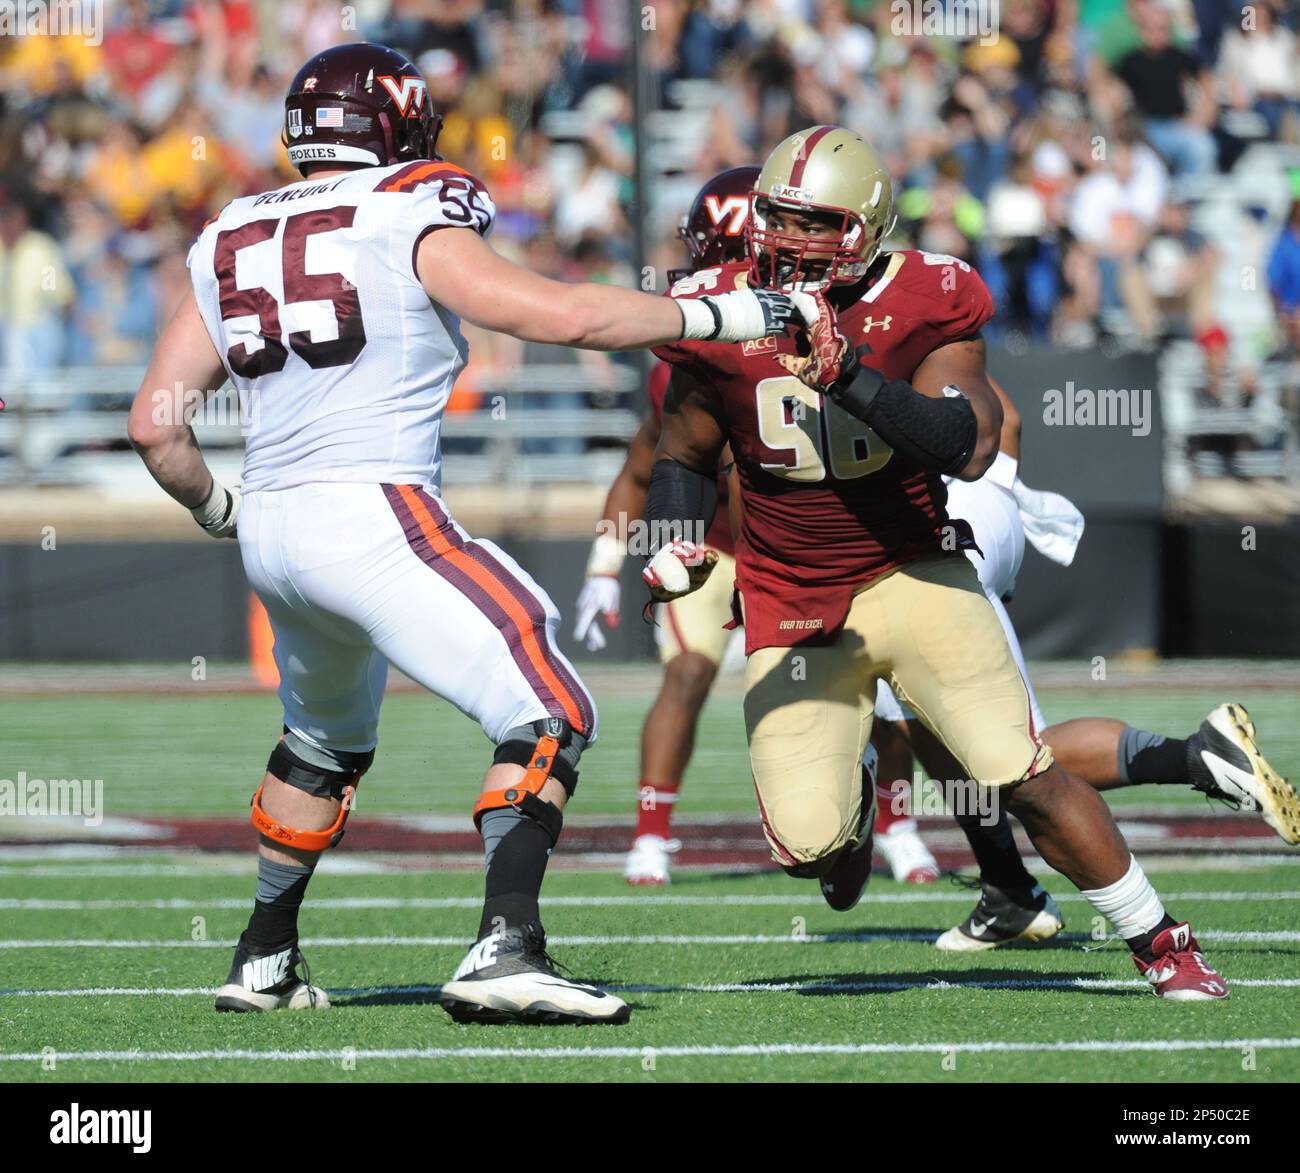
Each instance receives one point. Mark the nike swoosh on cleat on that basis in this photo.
(1231, 778)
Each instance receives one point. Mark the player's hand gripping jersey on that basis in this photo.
(827, 506)
(311, 296)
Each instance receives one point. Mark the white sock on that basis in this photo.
(1130, 903)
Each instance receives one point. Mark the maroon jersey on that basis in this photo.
(827, 505)
(719, 532)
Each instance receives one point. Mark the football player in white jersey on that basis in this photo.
(333, 305)
(1221, 759)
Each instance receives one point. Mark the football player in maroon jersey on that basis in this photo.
(693, 630)
(849, 568)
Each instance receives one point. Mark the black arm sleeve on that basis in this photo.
(939, 434)
(680, 503)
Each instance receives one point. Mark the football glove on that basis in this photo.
(220, 511)
(745, 314)
(678, 569)
(601, 594)
(830, 354)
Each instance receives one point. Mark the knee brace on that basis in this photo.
(319, 781)
(548, 748)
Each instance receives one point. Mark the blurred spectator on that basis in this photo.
(1158, 75)
(1284, 280)
(898, 113)
(35, 290)
(710, 32)
(1113, 214)
(1259, 68)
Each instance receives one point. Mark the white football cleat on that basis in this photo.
(270, 983)
(508, 977)
(647, 861)
(1224, 762)
(906, 855)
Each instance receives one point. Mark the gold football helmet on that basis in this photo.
(824, 169)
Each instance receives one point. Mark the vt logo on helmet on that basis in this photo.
(714, 229)
(821, 209)
(359, 103)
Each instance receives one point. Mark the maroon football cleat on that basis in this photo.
(1178, 971)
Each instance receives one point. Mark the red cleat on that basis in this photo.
(1178, 971)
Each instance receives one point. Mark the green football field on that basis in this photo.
(109, 957)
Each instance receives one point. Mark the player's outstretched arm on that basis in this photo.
(683, 494)
(459, 270)
(185, 370)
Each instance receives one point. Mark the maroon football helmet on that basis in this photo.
(714, 228)
(359, 103)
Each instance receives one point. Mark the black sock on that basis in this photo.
(995, 850)
(274, 923)
(1141, 946)
(1148, 757)
(519, 848)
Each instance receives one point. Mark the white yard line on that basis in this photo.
(845, 938)
(750, 1049)
(814, 987)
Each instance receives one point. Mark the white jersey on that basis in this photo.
(310, 296)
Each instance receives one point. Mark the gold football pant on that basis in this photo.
(929, 630)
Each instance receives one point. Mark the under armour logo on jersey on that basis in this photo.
(871, 323)
(409, 96)
(732, 211)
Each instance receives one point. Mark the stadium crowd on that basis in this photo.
(1063, 157)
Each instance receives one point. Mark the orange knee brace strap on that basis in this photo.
(289, 836)
(535, 775)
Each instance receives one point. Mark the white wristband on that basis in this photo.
(219, 512)
(606, 557)
(700, 322)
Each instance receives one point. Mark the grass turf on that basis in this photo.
(200, 755)
(385, 1013)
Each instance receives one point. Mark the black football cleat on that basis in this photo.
(509, 977)
(1004, 915)
(270, 982)
(843, 885)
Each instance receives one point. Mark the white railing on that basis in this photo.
(68, 426)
